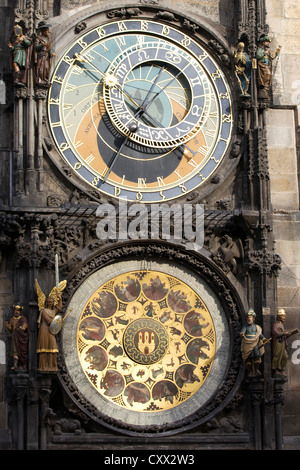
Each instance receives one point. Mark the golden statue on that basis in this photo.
(48, 319)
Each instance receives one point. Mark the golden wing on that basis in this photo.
(41, 295)
(60, 288)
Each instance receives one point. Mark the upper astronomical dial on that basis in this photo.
(140, 111)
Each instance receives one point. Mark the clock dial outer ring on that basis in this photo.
(71, 153)
(133, 419)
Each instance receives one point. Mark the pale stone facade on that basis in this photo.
(283, 146)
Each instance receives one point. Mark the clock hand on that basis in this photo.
(113, 160)
(133, 128)
(109, 79)
(140, 113)
(119, 88)
(162, 89)
(142, 107)
(115, 156)
(80, 58)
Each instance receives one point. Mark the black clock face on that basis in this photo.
(140, 111)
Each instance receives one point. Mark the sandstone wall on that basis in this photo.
(283, 143)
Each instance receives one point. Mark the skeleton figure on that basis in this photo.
(242, 68)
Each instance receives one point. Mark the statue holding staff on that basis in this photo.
(264, 66)
(43, 56)
(279, 343)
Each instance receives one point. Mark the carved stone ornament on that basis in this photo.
(124, 12)
(81, 26)
(263, 262)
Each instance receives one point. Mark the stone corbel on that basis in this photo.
(220, 51)
(20, 93)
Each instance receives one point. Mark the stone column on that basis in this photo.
(278, 402)
(45, 382)
(20, 94)
(30, 183)
(19, 385)
(255, 387)
(40, 96)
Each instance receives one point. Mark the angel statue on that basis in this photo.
(49, 308)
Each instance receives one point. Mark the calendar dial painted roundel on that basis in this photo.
(146, 341)
(140, 110)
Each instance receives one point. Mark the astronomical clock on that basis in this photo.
(144, 108)
(140, 110)
(136, 184)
